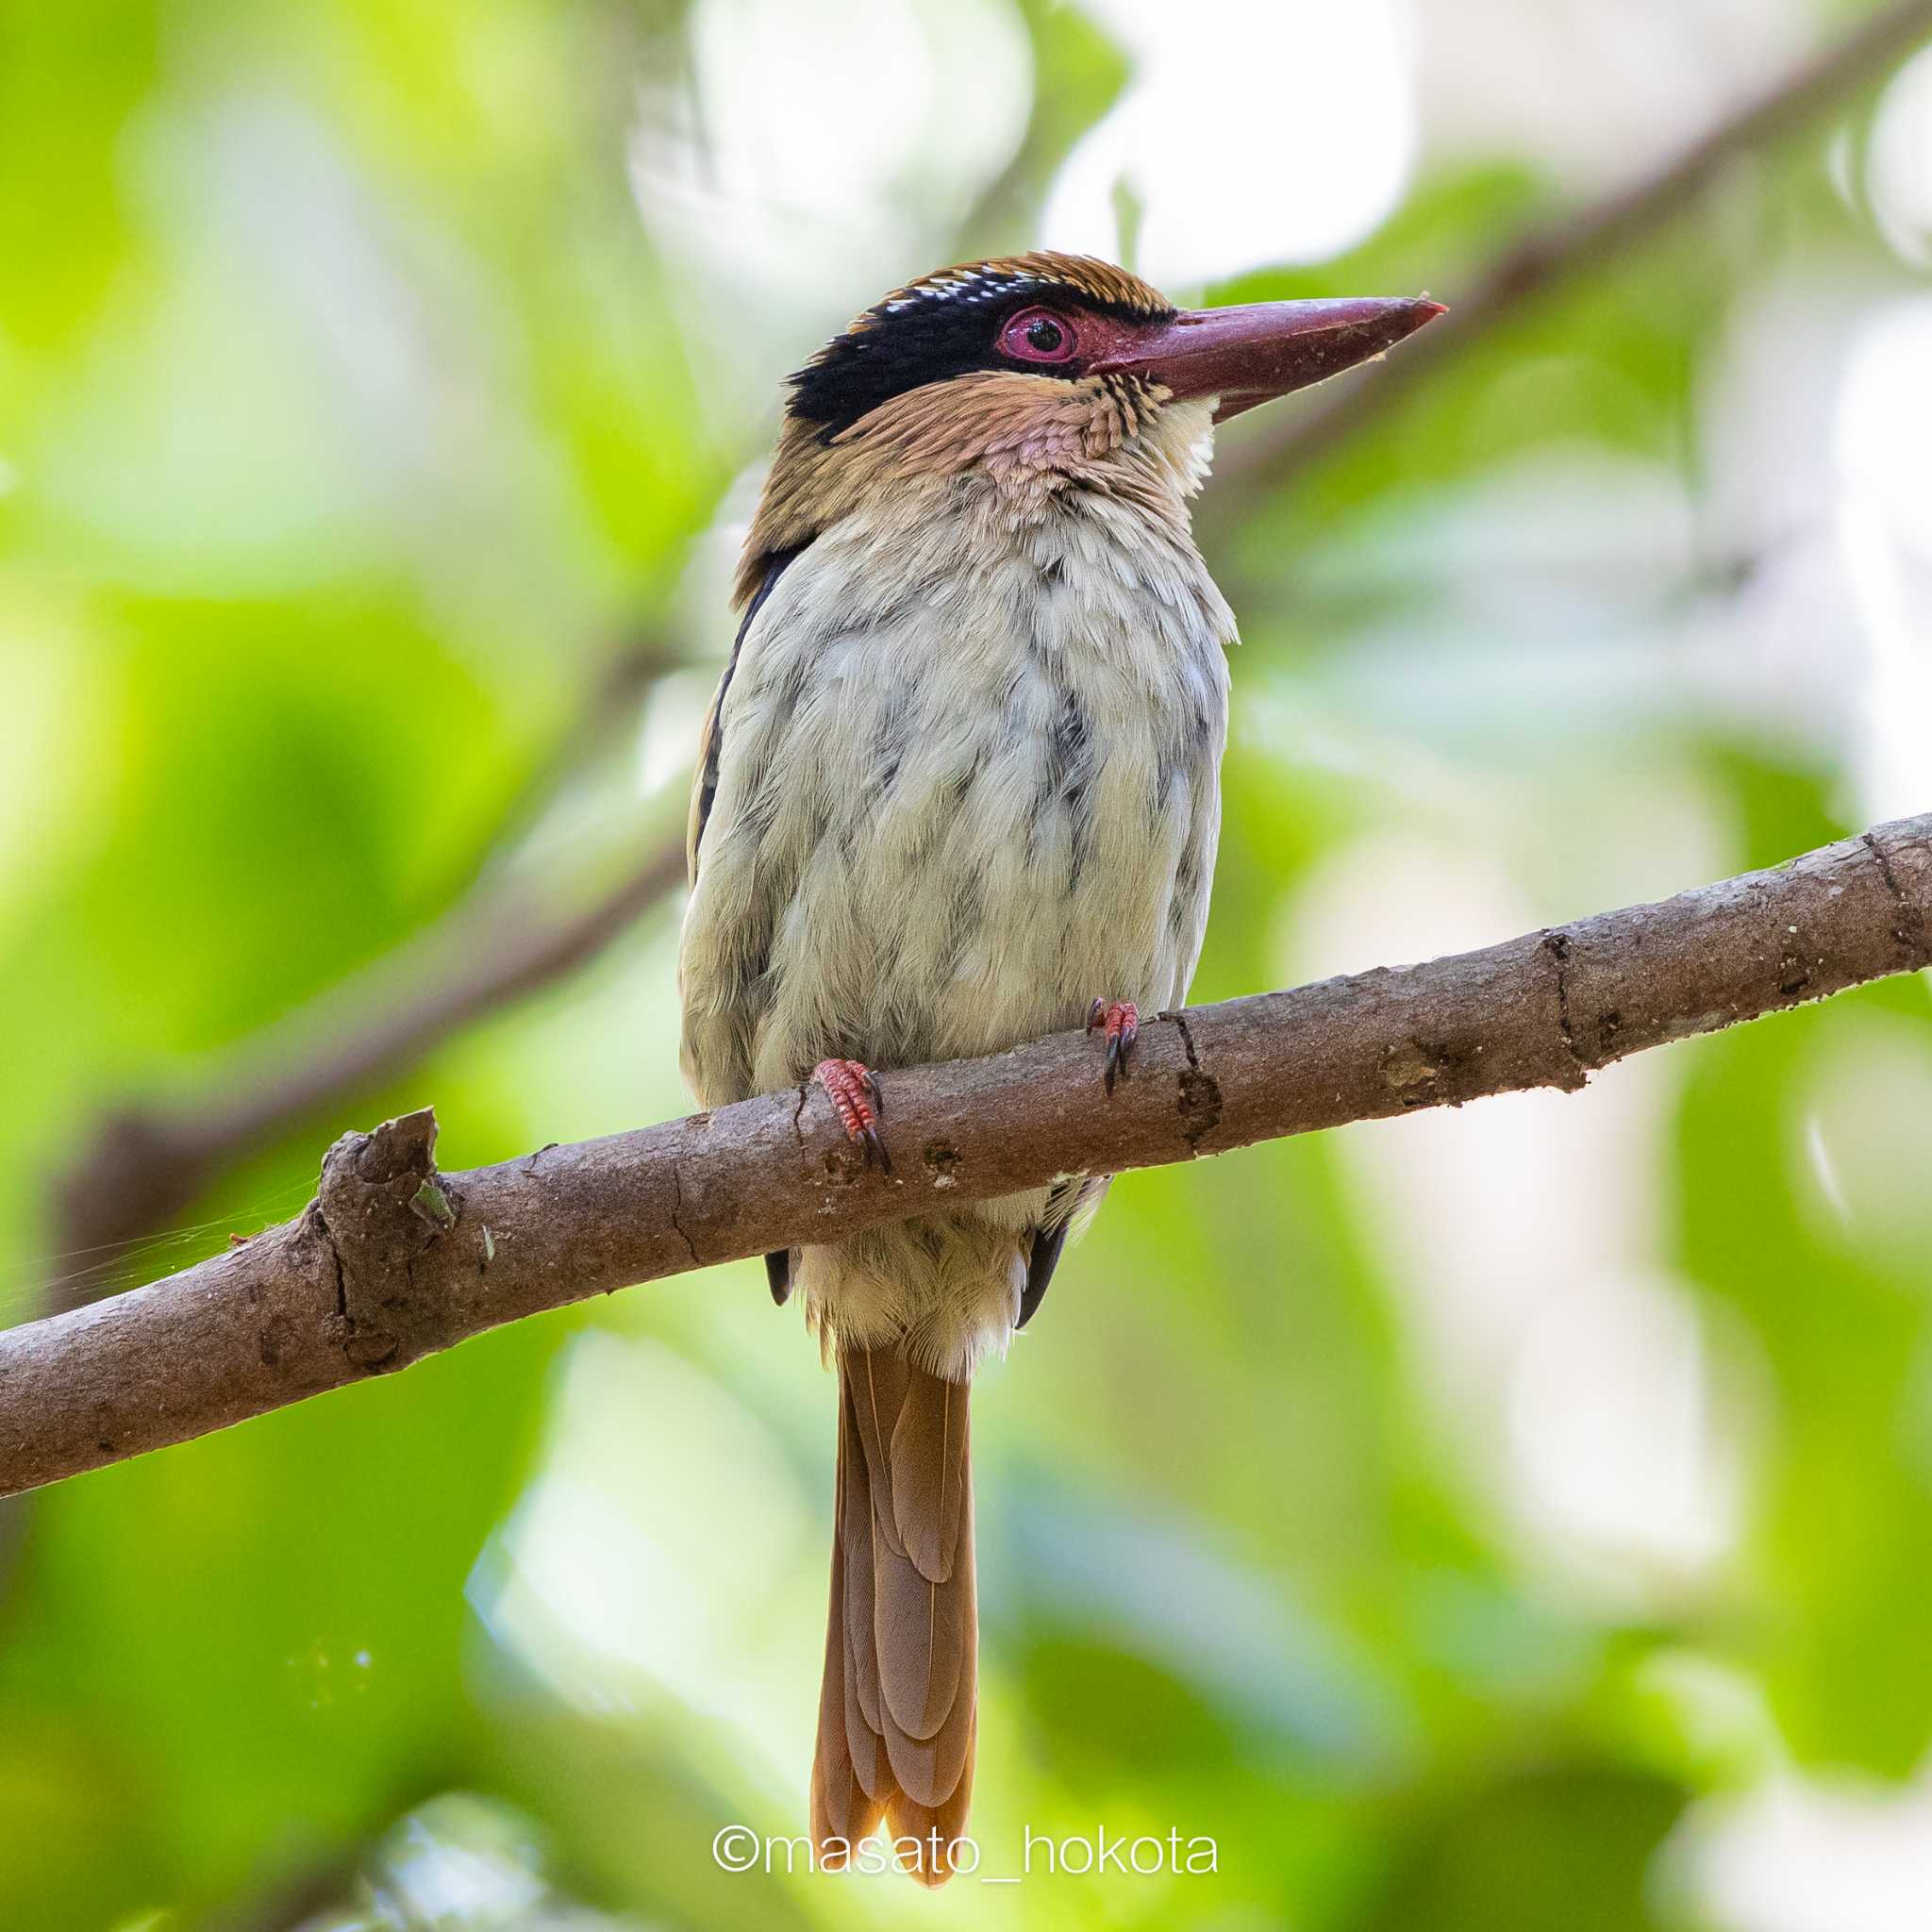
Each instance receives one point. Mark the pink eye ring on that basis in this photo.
(1039, 334)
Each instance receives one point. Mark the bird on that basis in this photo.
(959, 787)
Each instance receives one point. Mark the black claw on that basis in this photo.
(878, 1098)
(1042, 1260)
(873, 1145)
(1095, 1013)
(778, 1274)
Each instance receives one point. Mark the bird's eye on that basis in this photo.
(1039, 334)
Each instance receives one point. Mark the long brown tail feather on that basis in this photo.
(897, 1707)
(843, 1810)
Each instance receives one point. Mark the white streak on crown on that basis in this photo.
(972, 285)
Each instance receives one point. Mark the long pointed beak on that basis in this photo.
(1252, 354)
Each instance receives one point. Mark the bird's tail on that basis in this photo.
(897, 1712)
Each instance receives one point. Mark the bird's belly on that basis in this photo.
(993, 869)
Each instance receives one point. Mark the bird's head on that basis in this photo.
(1045, 370)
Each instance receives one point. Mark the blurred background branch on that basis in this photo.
(1552, 254)
(611, 702)
(144, 1163)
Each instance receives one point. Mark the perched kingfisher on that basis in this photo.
(959, 788)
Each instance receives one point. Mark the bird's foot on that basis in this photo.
(1120, 1020)
(853, 1088)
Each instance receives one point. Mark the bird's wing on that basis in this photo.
(710, 734)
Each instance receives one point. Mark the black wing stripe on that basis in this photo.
(708, 790)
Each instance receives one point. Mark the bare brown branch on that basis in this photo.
(393, 1260)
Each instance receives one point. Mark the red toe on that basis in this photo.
(1121, 1022)
(853, 1089)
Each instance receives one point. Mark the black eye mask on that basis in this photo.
(931, 334)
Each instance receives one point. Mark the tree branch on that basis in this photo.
(393, 1260)
(1546, 259)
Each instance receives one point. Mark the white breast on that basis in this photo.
(968, 782)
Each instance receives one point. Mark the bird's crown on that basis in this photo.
(1020, 277)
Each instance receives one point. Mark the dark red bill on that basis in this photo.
(1253, 352)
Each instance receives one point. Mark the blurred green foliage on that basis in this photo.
(350, 413)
